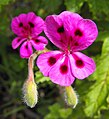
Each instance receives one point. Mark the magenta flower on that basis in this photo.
(27, 27)
(71, 33)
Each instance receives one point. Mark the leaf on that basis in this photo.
(54, 112)
(40, 78)
(95, 98)
(97, 95)
(57, 112)
(5, 2)
(74, 5)
(99, 5)
(48, 7)
(65, 113)
(94, 6)
(105, 48)
(102, 36)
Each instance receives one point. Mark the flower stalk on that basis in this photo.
(30, 88)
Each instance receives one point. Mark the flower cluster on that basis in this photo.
(27, 27)
(69, 32)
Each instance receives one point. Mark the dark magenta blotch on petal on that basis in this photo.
(79, 63)
(78, 32)
(76, 44)
(20, 24)
(60, 29)
(37, 41)
(51, 61)
(18, 40)
(63, 69)
(31, 24)
(26, 46)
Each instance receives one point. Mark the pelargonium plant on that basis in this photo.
(71, 34)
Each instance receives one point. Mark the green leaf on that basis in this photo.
(97, 95)
(40, 78)
(105, 47)
(5, 2)
(57, 112)
(102, 36)
(74, 5)
(99, 5)
(54, 112)
(48, 7)
(95, 98)
(65, 113)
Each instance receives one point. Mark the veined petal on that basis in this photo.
(17, 41)
(39, 43)
(70, 20)
(61, 73)
(84, 34)
(36, 23)
(47, 60)
(81, 65)
(55, 31)
(26, 50)
(18, 23)
(27, 24)
(59, 28)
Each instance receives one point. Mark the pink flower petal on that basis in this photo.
(55, 31)
(39, 43)
(59, 28)
(81, 65)
(70, 20)
(84, 35)
(36, 23)
(27, 24)
(17, 41)
(47, 60)
(26, 50)
(61, 72)
(18, 23)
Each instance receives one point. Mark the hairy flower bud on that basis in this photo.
(71, 97)
(30, 93)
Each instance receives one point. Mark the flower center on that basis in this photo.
(29, 37)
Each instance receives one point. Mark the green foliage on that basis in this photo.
(74, 5)
(94, 6)
(99, 5)
(96, 98)
(40, 78)
(5, 2)
(57, 112)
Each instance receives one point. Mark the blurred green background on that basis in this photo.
(93, 92)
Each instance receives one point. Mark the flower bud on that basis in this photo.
(71, 97)
(30, 93)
